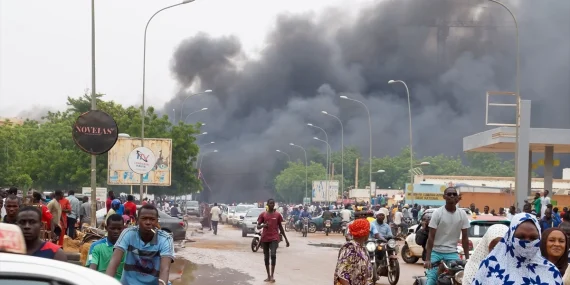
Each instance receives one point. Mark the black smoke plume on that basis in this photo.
(261, 104)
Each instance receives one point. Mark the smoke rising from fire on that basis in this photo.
(259, 105)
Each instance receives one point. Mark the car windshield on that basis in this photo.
(254, 212)
(231, 209)
(192, 204)
(478, 229)
(243, 208)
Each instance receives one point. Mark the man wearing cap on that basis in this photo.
(353, 265)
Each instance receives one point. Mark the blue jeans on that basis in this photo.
(431, 274)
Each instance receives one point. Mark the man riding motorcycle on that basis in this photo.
(382, 228)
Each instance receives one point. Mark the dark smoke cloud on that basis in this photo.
(262, 104)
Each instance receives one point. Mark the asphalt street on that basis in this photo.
(228, 259)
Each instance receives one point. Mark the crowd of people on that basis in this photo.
(533, 249)
(134, 251)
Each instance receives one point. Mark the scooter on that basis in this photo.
(327, 227)
(384, 259)
(256, 241)
(305, 226)
(450, 273)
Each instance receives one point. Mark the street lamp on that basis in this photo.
(370, 130)
(204, 133)
(342, 148)
(200, 146)
(202, 158)
(203, 109)
(182, 106)
(518, 113)
(305, 152)
(143, 111)
(288, 156)
(328, 178)
(424, 163)
(411, 141)
(328, 146)
(381, 171)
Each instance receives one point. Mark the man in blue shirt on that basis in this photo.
(383, 229)
(149, 251)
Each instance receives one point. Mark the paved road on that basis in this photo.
(234, 263)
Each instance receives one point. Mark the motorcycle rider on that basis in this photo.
(345, 214)
(304, 214)
(383, 229)
(446, 225)
(422, 234)
(361, 215)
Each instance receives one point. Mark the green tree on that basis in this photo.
(290, 183)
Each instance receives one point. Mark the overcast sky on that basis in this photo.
(45, 46)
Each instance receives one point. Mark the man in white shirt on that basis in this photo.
(215, 215)
(544, 202)
(398, 222)
(345, 215)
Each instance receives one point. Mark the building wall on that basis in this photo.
(502, 200)
(501, 182)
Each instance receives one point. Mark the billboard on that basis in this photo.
(426, 194)
(119, 172)
(320, 193)
(100, 193)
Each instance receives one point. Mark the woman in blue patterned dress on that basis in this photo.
(516, 260)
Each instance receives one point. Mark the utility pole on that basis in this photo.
(93, 107)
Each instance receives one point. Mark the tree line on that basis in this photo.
(289, 183)
(43, 155)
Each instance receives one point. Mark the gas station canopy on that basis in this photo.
(503, 140)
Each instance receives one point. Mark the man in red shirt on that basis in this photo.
(46, 214)
(65, 209)
(130, 206)
(271, 222)
(110, 198)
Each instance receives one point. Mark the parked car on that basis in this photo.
(192, 208)
(411, 252)
(227, 213)
(240, 213)
(249, 222)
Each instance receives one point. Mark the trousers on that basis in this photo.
(431, 274)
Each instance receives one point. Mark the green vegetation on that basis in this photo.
(44, 156)
(289, 184)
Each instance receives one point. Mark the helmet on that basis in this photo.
(116, 203)
(406, 206)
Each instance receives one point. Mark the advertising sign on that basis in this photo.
(426, 194)
(120, 173)
(100, 193)
(325, 191)
(141, 160)
(95, 132)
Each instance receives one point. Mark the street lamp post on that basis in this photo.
(342, 149)
(193, 94)
(411, 141)
(328, 147)
(327, 183)
(143, 110)
(288, 156)
(94, 107)
(305, 152)
(204, 133)
(202, 158)
(370, 130)
(518, 113)
(203, 109)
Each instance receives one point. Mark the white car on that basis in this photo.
(240, 213)
(25, 269)
(227, 213)
(249, 222)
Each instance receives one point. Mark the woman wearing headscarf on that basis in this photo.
(493, 236)
(353, 266)
(516, 259)
(554, 247)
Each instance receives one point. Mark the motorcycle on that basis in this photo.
(328, 227)
(256, 241)
(290, 225)
(384, 259)
(305, 226)
(450, 273)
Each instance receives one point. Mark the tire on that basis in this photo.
(287, 228)
(243, 232)
(327, 232)
(312, 228)
(395, 277)
(407, 255)
(374, 275)
(254, 245)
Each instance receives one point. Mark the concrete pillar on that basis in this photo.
(548, 163)
(521, 185)
(529, 171)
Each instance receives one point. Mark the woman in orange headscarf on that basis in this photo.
(353, 265)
